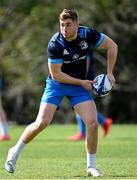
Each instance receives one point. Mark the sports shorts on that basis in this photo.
(1, 82)
(55, 91)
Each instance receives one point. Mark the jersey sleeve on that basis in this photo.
(95, 37)
(54, 53)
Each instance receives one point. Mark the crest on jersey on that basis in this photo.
(83, 44)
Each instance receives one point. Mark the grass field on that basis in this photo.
(51, 156)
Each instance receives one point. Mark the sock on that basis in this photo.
(82, 127)
(91, 160)
(19, 146)
(4, 127)
(101, 119)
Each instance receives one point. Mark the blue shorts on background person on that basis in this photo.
(4, 134)
(1, 83)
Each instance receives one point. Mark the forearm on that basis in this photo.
(111, 58)
(65, 78)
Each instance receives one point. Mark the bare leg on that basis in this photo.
(3, 124)
(87, 110)
(43, 119)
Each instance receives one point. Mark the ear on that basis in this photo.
(77, 26)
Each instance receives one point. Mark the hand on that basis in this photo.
(87, 84)
(111, 78)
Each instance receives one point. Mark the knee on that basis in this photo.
(93, 124)
(41, 124)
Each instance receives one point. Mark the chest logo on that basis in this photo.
(83, 44)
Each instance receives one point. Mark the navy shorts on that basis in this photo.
(56, 91)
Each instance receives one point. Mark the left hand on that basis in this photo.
(112, 79)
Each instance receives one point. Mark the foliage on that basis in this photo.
(25, 29)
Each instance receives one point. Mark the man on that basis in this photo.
(4, 134)
(105, 122)
(67, 51)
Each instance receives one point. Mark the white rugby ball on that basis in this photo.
(102, 86)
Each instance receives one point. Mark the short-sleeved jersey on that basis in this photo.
(90, 66)
(73, 54)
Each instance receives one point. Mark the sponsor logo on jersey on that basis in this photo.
(82, 57)
(75, 58)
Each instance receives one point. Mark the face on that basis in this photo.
(68, 29)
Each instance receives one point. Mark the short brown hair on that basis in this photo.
(68, 14)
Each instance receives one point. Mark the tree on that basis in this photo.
(25, 28)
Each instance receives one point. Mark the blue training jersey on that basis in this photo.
(90, 66)
(73, 54)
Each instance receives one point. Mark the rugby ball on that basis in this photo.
(102, 86)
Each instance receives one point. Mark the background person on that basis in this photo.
(4, 134)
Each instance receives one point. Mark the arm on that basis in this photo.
(112, 50)
(58, 75)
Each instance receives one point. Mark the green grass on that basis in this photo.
(51, 156)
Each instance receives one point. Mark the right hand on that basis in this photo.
(87, 84)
